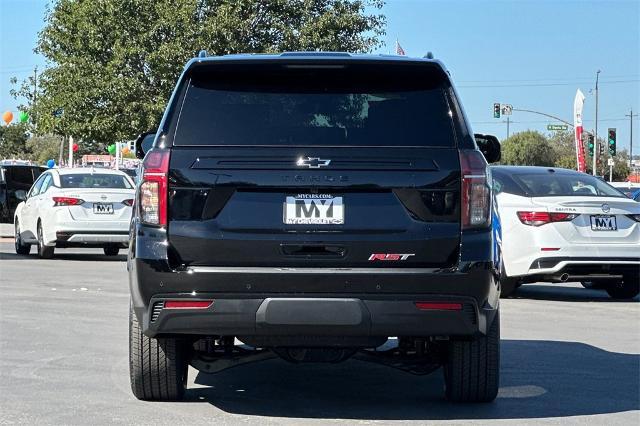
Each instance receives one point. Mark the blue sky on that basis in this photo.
(531, 54)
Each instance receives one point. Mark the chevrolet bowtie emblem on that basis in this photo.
(312, 162)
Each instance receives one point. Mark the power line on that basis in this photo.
(588, 79)
(547, 121)
(542, 84)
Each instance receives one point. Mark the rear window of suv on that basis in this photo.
(305, 105)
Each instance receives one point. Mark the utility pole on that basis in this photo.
(35, 95)
(631, 115)
(507, 127)
(595, 151)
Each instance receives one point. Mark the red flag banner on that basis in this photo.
(399, 49)
(578, 105)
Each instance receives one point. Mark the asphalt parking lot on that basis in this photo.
(568, 355)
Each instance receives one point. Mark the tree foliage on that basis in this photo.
(535, 149)
(113, 63)
(529, 148)
(12, 141)
(44, 148)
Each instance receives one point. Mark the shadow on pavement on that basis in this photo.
(538, 379)
(565, 293)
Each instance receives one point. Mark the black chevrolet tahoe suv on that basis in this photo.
(315, 206)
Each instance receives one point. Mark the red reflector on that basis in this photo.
(550, 248)
(187, 304)
(441, 306)
(128, 202)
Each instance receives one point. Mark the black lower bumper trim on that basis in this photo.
(278, 318)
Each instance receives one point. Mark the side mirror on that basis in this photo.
(144, 142)
(489, 145)
(21, 195)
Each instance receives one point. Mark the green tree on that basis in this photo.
(620, 168)
(44, 148)
(528, 148)
(114, 63)
(564, 147)
(13, 140)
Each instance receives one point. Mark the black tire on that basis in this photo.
(111, 250)
(628, 288)
(472, 371)
(158, 368)
(507, 284)
(594, 285)
(21, 248)
(45, 252)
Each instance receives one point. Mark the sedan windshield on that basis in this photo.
(94, 180)
(562, 185)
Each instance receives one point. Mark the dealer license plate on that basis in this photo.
(603, 223)
(313, 209)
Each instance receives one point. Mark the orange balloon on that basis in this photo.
(7, 117)
(125, 150)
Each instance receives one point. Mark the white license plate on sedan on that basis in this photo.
(603, 223)
(313, 209)
(103, 208)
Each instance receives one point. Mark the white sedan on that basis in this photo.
(560, 225)
(75, 208)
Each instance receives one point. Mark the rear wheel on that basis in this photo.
(628, 288)
(473, 367)
(111, 250)
(21, 248)
(593, 285)
(45, 252)
(157, 367)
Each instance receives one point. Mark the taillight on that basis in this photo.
(153, 190)
(476, 193)
(128, 202)
(542, 218)
(66, 201)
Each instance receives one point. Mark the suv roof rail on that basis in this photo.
(202, 54)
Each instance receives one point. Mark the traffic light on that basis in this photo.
(612, 141)
(590, 144)
(496, 110)
(601, 149)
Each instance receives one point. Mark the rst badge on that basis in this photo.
(313, 209)
(390, 256)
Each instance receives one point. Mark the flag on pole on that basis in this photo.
(399, 49)
(578, 105)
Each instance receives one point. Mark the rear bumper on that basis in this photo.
(80, 238)
(583, 268)
(530, 260)
(279, 318)
(314, 301)
(311, 303)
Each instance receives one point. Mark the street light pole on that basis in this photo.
(631, 115)
(595, 147)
